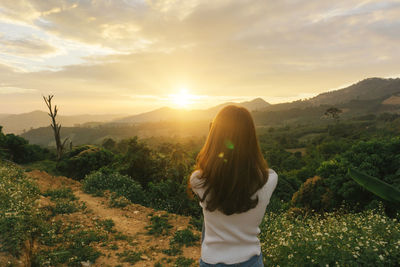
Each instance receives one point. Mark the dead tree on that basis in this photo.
(56, 126)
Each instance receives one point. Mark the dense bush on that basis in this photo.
(83, 160)
(368, 238)
(138, 161)
(313, 195)
(19, 150)
(378, 158)
(123, 185)
(281, 160)
(172, 196)
(19, 215)
(287, 186)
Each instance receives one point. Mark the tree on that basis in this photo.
(333, 112)
(56, 126)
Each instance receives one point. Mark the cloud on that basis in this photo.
(32, 47)
(278, 49)
(15, 90)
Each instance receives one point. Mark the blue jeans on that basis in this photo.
(255, 261)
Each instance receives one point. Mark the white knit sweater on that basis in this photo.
(233, 239)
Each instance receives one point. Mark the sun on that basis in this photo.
(183, 99)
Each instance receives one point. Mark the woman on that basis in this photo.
(234, 185)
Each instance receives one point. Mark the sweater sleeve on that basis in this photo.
(272, 183)
(196, 183)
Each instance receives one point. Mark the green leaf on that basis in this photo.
(376, 186)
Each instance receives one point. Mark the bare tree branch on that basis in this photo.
(55, 126)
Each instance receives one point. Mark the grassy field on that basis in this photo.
(47, 220)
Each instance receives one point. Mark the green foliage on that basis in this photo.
(173, 250)
(75, 249)
(313, 195)
(60, 193)
(281, 160)
(138, 161)
(64, 207)
(19, 216)
(108, 225)
(117, 201)
(84, 160)
(159, 225)
(108, 144)
(329, 149)
(376, 186)
(172, 196)
(368, 238)
(17, 149)
(287, 185)
(129, 256)
(197, 223)
(183, 262)
(123, 185)
(65, 200)
(184, 237)
(47, 165)
(377, 158)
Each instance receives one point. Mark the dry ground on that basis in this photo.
(129, 221)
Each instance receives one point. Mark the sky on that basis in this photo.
(132, 56)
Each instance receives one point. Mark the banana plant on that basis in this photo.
(376, 186)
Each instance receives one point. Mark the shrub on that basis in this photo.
(60, 193)
(313, 195)
(123, 185)
(377, 158)
(130, 256)
(138, 161)
(116, 201)
(108, 225)
(83, 160)
(183, 262)
(184, 237)
(64, 207)
(171, 196)
(19, 215)
(159, 225)
(18, 149)
(368, 238)
(75, 249)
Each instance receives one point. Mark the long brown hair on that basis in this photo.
(231, 162)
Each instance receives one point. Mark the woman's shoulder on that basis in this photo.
(273, 174)
(195, 179)
(272, 180)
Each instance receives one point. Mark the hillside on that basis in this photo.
(109, 235)
(170, 114)
(370, 96)
(95, 135)
(18, 123)
(368, 89)
(371, 89)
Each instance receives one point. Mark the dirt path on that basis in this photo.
(129, 221)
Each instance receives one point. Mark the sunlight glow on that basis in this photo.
(183, 99)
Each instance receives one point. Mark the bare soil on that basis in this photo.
(130, 221)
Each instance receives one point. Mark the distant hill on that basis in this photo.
(370, 96)
(170, 114)
(17, 123)
(375, 89)
(368, 89)
(3, 115)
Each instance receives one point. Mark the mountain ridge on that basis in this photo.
(371, 95)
